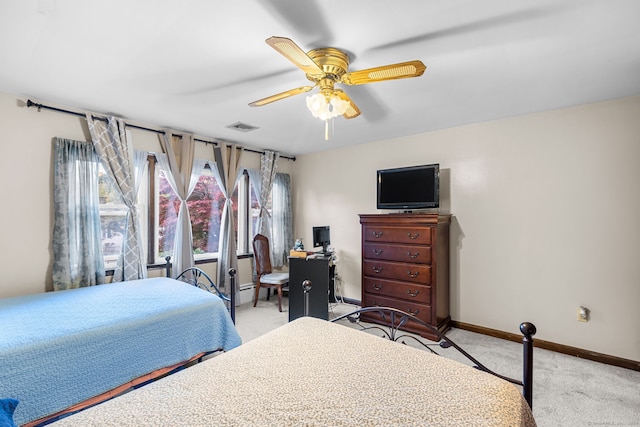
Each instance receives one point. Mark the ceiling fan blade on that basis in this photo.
(293, 53)
(401, 70)
(279, 96)
(479, 25)
(353, 111)
(303, 18)
(239, 83)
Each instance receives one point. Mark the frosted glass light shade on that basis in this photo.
(325, 109)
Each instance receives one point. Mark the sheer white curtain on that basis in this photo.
(282, 219)
(225, 169)
(277, 225)
(141, 168)
(116, 152)
(255, 183)
(180, 170)
(77, 239)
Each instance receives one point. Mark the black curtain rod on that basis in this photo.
(30, 103)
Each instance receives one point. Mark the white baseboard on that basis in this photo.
(246, 292)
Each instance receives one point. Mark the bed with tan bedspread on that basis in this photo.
(311, 372)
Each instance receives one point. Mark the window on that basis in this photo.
(166, 218)
(255, 210)
(205, 205)
(112, 218)
(158, 205)
(242, 212)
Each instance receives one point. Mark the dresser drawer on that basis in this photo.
(403, 253)
(421, 311)
(403, 290)
(409, 235)
(416, 273)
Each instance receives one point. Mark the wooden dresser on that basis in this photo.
(405, 264)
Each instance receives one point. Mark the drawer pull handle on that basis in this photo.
(377, 287)
(413, 255)
(377, 234)
(378, 269)
(413, 293)
(378, 251)
(413, 236)
(413, 275)
(413, 313)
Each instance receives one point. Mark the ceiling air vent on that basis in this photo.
(242, 127)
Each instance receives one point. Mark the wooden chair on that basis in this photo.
(266, 277)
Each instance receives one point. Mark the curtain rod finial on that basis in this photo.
(30, 103)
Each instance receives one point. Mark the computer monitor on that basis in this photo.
(321, 237)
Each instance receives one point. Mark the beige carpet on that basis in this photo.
(567, 391)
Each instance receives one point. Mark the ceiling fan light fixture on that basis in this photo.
(325, 108)
(339, 105)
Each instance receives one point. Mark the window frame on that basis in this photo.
(243, 249)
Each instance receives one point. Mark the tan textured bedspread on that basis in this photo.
(314, 373)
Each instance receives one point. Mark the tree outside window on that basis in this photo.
(205, 206)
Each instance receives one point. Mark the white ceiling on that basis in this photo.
(194, 65)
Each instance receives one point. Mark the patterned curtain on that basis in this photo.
(225, 169)
(179, 165)
(268, 167)
(282, 219)
(116, 152)
(77, 240)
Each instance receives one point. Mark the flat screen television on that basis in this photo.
(321, 237)
(415, 187)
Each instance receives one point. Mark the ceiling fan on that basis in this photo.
(325, 67)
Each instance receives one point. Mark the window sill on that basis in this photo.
(162, 266)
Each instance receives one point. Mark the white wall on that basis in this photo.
(26, 173)
(546, 209)
(546, 218)
(27, 177)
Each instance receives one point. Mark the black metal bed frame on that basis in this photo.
(394, 320)
(196, 277)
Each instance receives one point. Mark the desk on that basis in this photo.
(321, 274)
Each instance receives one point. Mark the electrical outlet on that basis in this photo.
(583, 314)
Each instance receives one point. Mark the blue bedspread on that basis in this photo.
(61, 348)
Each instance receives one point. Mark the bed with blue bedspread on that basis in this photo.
(58, 349)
